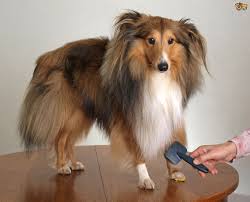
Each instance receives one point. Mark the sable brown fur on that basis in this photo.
(111, 82)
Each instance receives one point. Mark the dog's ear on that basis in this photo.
(194, 40)
(127, 20)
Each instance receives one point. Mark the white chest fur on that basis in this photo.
(160, 114)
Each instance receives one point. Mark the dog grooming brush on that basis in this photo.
(176, 152)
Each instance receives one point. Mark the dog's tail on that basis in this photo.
(47, 104)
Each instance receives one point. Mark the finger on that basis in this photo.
(210, 155)
(211, 167)
(215, 171)
(200, 150)
(202, 174)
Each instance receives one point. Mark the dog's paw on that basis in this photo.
(178, 176)
(65, 170)
(77, 166)
(146, 184)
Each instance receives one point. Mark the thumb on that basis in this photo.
(204, 157)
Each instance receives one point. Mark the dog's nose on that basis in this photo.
(163, 66)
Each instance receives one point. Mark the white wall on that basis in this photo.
(29, 28)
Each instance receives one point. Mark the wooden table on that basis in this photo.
(25, 179)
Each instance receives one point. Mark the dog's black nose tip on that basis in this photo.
(163, 66)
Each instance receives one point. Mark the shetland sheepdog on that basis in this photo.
(135, 86)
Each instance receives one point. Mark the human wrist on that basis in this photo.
(232, 151)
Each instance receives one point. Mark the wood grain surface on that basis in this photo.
(30, 179)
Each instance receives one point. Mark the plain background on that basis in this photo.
(29, 28)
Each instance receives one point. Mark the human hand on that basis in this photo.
(210, 155)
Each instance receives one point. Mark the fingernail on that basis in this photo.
(196, 161)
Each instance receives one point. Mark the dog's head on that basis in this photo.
(159, 44)
(144, 44)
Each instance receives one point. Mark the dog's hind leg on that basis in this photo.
(73, 163)
(62, 163)
(79, 126)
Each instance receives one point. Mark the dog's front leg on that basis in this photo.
(145, 181)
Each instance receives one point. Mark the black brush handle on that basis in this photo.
(190, 160)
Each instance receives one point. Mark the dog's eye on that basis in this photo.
(151, 41)
(170, 41)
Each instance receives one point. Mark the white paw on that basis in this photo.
(178, 176)
(77, 166)
(146, 184)
(65, 170)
